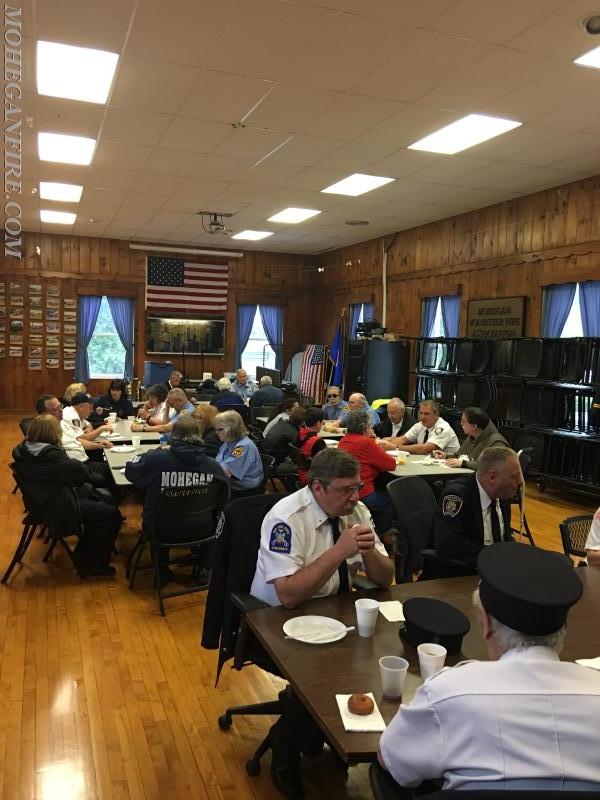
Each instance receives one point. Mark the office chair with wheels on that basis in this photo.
(196, 508)
(228, 601)
(574, 532)
(384, 787)
(415, 505)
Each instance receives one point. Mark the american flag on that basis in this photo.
(177, 285)
(313, 370)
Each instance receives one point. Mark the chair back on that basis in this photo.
(574, 532)
(187, 507)
(298, 457)
(268, 465)
(524, 457)
(256, 435)
(415, 506)
(25, 424)
(259, 411)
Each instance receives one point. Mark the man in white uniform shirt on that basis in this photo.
(523, 720)
(430, 433)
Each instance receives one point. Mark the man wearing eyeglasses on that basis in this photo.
(312, 544)
(335, 405)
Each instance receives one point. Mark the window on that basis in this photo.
(106, 354)
(438, 329)
(574, 325)
(258, 351)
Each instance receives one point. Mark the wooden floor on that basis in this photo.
(102, 698)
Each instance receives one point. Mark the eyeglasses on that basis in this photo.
(348, 490)
(332, 396)
(220, 429)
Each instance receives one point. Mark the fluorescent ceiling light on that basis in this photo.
(65, 149)
(76, 73)
(591, 59)
(253, 236)
(466, 132)
(357, 184)
(60, 217)
(293, 215)
(65, 192)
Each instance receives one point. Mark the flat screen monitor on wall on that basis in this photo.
(174, 336)
(274, 374)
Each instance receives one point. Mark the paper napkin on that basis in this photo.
(594, 663)
(392, 610)
(358, 723)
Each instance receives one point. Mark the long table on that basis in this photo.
(123, 428)
(117, 461)
(318, 672)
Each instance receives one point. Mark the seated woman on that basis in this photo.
(154, 410)
(238, 455)
(309, 441)
(359, 441)
(206, 415)
(115, 401)
(282, 411)
(481, 433)
(51, 479)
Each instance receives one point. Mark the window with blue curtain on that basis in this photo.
(360, 312)
(571, 309)
(259, 337)
(440, 316)
(105, 337)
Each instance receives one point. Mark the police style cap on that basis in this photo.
(80, 397)
(528, 589)
(431, 620)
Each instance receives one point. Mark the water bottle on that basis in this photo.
(164, 440)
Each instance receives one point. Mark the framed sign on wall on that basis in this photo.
(496, 318)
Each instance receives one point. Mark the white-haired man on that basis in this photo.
(227, 399)
(243, 386)
(358, 402)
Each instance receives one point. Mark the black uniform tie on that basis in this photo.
(343, 568)
(496, 532)
(426, 435)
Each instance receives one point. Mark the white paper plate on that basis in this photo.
(315, 630)
(331, 442)
(124, 448)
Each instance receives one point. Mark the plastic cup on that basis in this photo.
(112, 418)
(401, 459)
(431, 658)
(136, 441)
(393, 671)
(366, 616)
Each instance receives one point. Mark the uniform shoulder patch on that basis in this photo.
(281, 538)
(438, 430)
(238, 451)
(451, 505)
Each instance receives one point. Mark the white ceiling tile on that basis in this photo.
(417, 14)
(251, 143)
(570, 146)
(144, 200)
(407, 126)
(136, 217)
(510, 145)
(119, 154)
(223, 97)
(352, 157)
(224, 168)
(535, 180)
(292, 107)
(173, 162)
(450, 168)
(110, 178)
(403, 163)
(557, 34)
(178, 204)
(313, 179)
(156, 183)
(55, 115)
(202, 187)
(587, 163)
(270, 173)
(99, 25)
(573, 116)
(134, 127)
(194, 135)
(151, 85)
(496, 171)
(306, 150)
(351, 116)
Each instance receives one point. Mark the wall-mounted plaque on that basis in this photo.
(497, 318)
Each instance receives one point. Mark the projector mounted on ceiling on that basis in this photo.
(213, 222)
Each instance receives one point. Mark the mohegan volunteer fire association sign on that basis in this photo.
(497, 318)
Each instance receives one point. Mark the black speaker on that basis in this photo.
(377, 369)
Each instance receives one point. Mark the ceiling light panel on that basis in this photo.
(65, 149)
(357, 184)
(59, 217)
(63, 192)
(75, 73)
(464, 133)
(591, 59)
(252, 236)
(294, 215)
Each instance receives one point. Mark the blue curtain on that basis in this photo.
(336, 356)
(122, 312)
(589, 303)
(245, 320)
(428, 309)
(451, 314)
(556, 305)
(368, 311)
(272, 320)
(87, 316)
(355, 310)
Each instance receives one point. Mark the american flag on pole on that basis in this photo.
(175, 285)
(313, 370)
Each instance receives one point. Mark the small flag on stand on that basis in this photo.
(336, 355)
(313, 371)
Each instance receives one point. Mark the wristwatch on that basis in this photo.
(144, 428)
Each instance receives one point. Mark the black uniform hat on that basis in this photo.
(81, 397)
(430, 620)
(528, 589)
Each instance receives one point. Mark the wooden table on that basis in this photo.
(116, 461)
(317, 672)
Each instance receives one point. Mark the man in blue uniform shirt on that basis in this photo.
(358, 402)
(335, 405)
(242, 385)
(523, 720)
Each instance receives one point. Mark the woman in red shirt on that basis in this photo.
(360, 442)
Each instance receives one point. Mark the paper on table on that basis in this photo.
(356, 722)
(594, 663)
(392, 610)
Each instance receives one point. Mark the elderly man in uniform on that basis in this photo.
(523, 720)
(475, 509)
(430, 433)
(358, 402)
(398, 422)
(335, 405)
(242, 385)
(312, 544)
